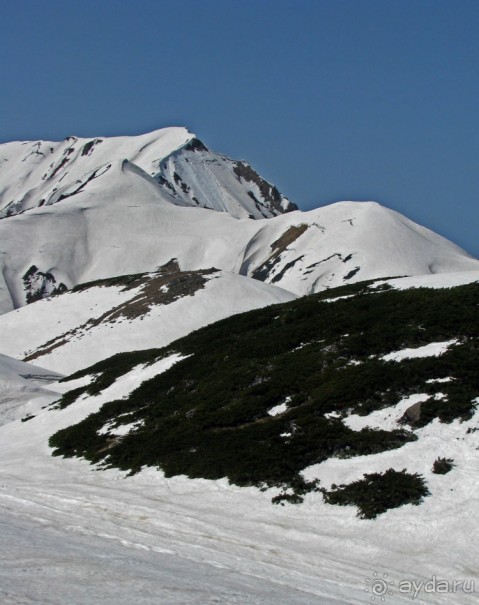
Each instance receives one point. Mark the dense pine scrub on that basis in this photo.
(211, 414)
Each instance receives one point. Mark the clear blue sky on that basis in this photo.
(329, 99)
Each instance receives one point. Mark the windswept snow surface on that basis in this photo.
(99, 536)
(438, 280)
(129, 228)
(46, 564)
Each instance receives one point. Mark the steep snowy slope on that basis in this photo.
(93, 537)
(196, 176)
(23, 388)
(34, 174)
(97, 320)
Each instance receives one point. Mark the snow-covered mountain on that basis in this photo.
(83, 210)
(42, 173)
(344, 243)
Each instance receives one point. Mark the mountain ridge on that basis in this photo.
(104, 207)
(93, 321)
(163, 154)
(132, 227)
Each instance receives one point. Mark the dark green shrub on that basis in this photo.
(378, 492)
(442, 466)
(284, 497)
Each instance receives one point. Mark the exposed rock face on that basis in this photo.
(278, 246)
(196, 176)
(412, 414)
(271, 197)
(39, 285)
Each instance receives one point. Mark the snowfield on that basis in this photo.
(433, 349)
(99, 536)
(438, 280)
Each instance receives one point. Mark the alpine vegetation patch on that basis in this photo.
(209, 416)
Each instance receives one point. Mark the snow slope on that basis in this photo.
(439, 280)
(347, 242)
(147, 530)
(23, 388)
(76, 329)
(34, 174)
(197, 177)
(84, 210)
(131, 227)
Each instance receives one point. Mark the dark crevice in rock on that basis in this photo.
(61, 165)
(88, 147)
(92, 176)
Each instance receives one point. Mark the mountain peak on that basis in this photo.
(185, 170)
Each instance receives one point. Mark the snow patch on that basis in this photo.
(387, 418)
(436, 281)
(433, 349)
(336, 298)
(433, 380)
(280, 408)
(118, 431)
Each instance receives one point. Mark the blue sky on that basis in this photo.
(329, 99)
